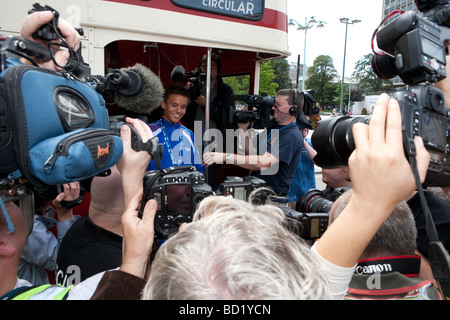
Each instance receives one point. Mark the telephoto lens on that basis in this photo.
(313, 201)
(333, 140)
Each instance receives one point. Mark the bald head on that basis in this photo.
(107, 203)
(337, 177)
(396, 236)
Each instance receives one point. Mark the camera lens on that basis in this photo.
(333, 140)
(384, 66)
(266, 101)
(313, 201)
(244, 116)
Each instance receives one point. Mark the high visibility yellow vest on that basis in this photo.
(43, 292)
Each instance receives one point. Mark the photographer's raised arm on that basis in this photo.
(138, 234)
(381, 177)
(133, 164)
(34, 21)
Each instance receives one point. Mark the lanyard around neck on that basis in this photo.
(169, 146)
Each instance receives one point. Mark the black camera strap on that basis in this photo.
(438, 258)
(73, 203)
(151, 146)
(407, 265)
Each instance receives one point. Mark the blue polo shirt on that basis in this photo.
(180, 145)
(304, 176)
(285, 143)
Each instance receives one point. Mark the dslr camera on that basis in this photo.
(315, 208)
(315, 201)
(240, 188)
(177, 191)
(415, 51)
(308, 226)
(252, 189)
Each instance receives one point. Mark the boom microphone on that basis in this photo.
(282, 111)
(178, 74)
(141, 90)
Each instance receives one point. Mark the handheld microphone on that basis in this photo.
(143, 90)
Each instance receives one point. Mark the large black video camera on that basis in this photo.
(261, 115)
(177, 190)
(196, 80)
(414, 48)
(68, 101)
(415, 51)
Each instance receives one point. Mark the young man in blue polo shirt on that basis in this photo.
(180, 145)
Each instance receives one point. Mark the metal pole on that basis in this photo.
(207, 105)
(343, 70)
(349, 94)
(208, 88)
(304, 57)
(308, 24)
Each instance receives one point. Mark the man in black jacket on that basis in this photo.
(220, 97)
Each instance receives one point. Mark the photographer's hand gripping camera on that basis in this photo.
(415, 48)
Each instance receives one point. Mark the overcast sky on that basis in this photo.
(330, 39)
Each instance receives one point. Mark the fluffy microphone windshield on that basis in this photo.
(147, 99)
(178, 74)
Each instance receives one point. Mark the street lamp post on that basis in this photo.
(347, 21)
(308, 25)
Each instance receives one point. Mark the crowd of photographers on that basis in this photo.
(236, 249)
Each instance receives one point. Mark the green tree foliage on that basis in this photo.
(267, 83)
(280, 69)
(274, 75)
(239, 84)
(321, 77)
(337, 94)
(368, 81)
